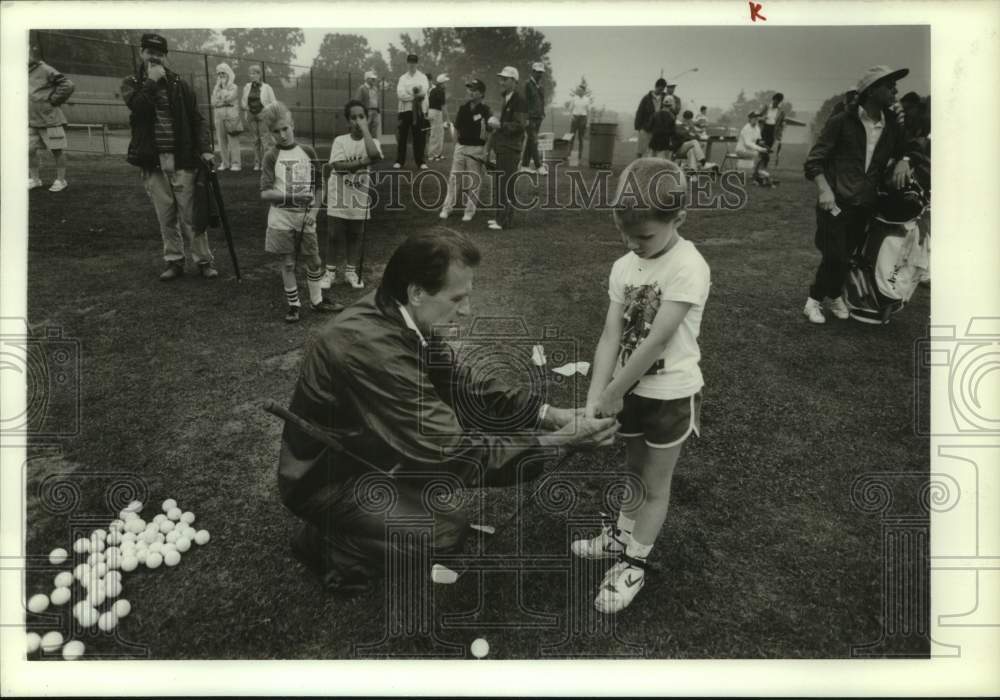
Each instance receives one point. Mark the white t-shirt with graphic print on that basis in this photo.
(681, 274)
(348, 194)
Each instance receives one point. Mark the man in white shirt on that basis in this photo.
(749, 145)
(412, 92)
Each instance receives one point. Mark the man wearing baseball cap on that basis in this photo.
(438, 115)
(672, 101)
(368, 96)
(469, 156)
(170, 138)
(649, 106)
(411, 90)
(848, 163)
(508, 143)
(534, 97)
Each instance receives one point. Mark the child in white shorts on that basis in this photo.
(645, 367)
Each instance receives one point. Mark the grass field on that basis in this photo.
(764, 555)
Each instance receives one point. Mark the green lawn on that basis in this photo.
(763, 555)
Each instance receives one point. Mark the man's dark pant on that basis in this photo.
(531, 146)
(504, 186)
(407, 123)
(837, 237)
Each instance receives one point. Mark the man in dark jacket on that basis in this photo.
(508, 140)
(650, 105)
(420, 425)
(534, 98)
(849, 163)
(170, 139)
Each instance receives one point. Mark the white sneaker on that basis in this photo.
(329, 278)
(351, 277)
(839, 309)
(396, 166)
(813, 311)
(423, 166)
(525, 169)
(58, 186)
(606, 545)
(493, 225)
(619, 587)
(467, 217)
(235, 168)
(34, 183)
(256, 167)
(542, 170)
(444, 214)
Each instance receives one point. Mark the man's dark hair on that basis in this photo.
(910, 98)
(777, 96)
(661, 83)
(688, 114)
(702, 108)
(423, 259)
(354, 103)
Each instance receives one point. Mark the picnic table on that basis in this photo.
(717, 139)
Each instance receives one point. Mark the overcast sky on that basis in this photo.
(808, 64)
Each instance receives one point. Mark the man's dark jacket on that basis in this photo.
(644, 115)
(191, 136)
(534, 99)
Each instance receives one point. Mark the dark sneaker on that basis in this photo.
(208, 271)
(173, 271)
(293, 315)
(326, 307)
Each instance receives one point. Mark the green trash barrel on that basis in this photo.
(602, 144)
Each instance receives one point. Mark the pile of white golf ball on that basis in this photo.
(96, 580)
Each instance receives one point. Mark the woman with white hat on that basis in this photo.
(228, 125)
(438, 115)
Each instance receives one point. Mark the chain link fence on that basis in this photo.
(98, 118)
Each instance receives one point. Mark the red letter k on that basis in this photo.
(755, 8)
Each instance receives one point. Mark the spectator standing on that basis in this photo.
(48, 89)
(468, 158)
(437, 113)
(662, 126)
(256, 96)
(534, 98)
(774, 121)
(508, 142)
(672, 100)
(367, 95)
(169, 141)
(579, 108)
(650, 105)
(228, 126)
(411, 90)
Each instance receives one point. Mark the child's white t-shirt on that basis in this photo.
(640, 285)
(348, 194)
(288, 170)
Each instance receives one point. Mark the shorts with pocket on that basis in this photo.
(282, 241)
(662, 423)
(50, 137)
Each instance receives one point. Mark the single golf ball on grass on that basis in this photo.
(107, 621)
(183, 544)
(172, 558)
(153, 560)
(168, 504)
(34, 641)
(81, 571)
(81, 546)
(52, 641)
(201, 537)
(64, 579)
(121, 608)
(166, 526)
(480, 648)
(174, 514)
(88, 616)
(113, 589)
(130, 562)
(133, 507)
(58, 556)
(73, 650)
(61, 595)
(38, 603)
(187, 517)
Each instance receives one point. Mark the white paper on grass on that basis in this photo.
(488, 529)
(572, 368)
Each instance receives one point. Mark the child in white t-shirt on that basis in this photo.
(645, 367)
(289, 182)
(349, 194)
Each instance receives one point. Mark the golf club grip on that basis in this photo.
(305, 426)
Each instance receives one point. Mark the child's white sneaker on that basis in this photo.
(619, 587)
(34, 183)
(813, 311)
(467, 217)
(839, 309)
(58, 186)
(607, 545)
(329, 277)
(542, 170)
(351, 277)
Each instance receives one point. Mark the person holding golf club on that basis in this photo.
(256, 96)
(411, 90)
(170, 142)
(645, 368)
(469, 157)
(413, 415)
(508, 140)
(290, 182)
(349, 194)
